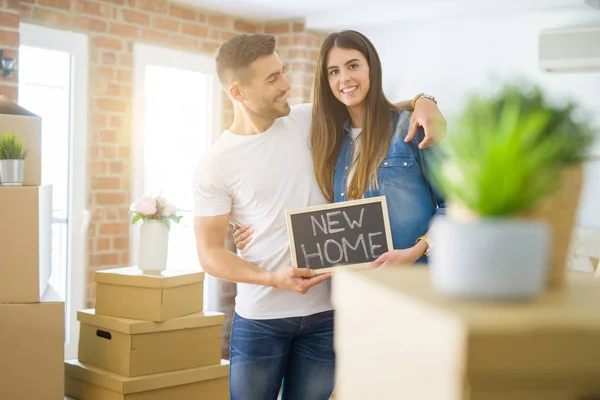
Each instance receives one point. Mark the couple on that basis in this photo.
(351, 143)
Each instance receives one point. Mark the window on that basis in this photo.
(53, 68)
(176, 116)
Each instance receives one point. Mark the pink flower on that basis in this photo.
(145, 205)
(170, 210)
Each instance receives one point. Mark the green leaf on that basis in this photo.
(11, 148)
(136, 218)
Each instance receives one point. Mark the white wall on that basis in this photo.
(451, 58)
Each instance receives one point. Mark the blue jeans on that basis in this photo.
(297, 351)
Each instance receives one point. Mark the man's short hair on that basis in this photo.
(239, 52)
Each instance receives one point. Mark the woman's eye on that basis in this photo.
(353, 66)
(333, 72)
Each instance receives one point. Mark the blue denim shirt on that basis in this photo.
(411, 200)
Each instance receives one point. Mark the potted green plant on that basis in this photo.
(500, 164)
(12, 160)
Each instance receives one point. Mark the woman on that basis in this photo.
(359, 148)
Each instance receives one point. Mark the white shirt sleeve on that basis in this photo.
(211, 197)
(302, 115)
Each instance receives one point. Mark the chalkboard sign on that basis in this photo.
(354, 232)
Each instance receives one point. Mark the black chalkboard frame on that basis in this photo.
(333, 206)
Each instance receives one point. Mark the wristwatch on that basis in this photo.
(425, 96)
(427, 240)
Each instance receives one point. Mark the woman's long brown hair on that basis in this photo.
(329, 114)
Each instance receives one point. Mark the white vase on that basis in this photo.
(489, 259)
(153, 247)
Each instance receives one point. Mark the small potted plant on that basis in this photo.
(500, 163)
(156, 215)
(12, 160)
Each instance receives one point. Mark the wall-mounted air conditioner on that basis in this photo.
(575, 49)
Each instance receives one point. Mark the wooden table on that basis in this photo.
(396, 338)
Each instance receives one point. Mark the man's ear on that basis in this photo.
(235, 91)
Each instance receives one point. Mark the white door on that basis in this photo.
(53, 76)
(177, 115)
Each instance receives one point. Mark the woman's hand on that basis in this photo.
(242, 236)
(403, 257)
(428, 115)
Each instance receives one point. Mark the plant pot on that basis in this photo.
(560, 210)
(11, 172)
(153, 247)
(489, 259)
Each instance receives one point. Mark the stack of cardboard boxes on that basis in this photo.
(148, 339)
(32, 315)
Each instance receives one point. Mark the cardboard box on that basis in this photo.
(443, 348)
(25, 242)
(131, 347)
(129, 293)
(32, 349)
(84, 382)
(14, 119)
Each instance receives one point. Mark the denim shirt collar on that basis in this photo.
(347, 125)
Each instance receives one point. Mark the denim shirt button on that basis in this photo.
(342, 194)
(405, 163)
(385, 163)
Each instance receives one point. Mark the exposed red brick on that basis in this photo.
(108, 43)
(195, 30)
(183, 13)
(156, 36)
(93, 8)
(109, 199)
(91, 24)
(167, 24)
(185, 42)
(244, 27)
(155, 6)
(9, 20)
(109, 259)
(298, 27)
(136, 17)
(275, 29)
(106, 183)
(217, 20)
(9, 38)
(123, 30)
(124, 76)
(210, 47)
(25, 12)
(62, 4)
(9, 91)
(110, 105)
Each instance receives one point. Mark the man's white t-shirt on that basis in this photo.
(257, 178)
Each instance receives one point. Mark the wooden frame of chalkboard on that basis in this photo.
(377, 208)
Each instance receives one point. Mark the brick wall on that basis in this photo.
(113, 26)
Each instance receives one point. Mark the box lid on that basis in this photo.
(9, 107)
(133, 276)
(125, 385)
(136, 326)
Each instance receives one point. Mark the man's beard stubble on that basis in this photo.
(270, 110)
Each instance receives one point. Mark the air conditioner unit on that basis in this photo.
(575, 49)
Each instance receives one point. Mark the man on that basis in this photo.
(258, 168)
